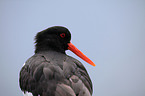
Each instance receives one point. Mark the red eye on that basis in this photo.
(62, 35)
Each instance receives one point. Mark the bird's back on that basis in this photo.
(54, 74)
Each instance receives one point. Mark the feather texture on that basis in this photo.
(54, 74)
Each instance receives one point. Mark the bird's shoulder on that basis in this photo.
(81, 75)
(39, 71)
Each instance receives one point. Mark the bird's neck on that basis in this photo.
(48, 47)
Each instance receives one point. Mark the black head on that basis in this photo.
(54, 38)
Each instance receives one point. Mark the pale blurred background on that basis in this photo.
(110, 32)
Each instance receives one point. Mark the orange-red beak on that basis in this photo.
(79, 53)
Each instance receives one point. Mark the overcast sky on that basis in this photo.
(110, 32)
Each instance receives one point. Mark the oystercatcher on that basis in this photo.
(50, 72)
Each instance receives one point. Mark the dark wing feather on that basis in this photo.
(55, 74)
(82, 76)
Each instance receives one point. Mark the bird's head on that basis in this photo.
(54, 38)
(57, 38)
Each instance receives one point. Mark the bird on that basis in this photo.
(50, 71)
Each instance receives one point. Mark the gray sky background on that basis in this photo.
(110, 32)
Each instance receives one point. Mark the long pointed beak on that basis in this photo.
(79, 53)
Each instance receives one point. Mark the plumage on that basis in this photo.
(50, 72)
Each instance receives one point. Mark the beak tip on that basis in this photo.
(93, 64)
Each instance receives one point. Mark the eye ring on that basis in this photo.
(62, 35)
